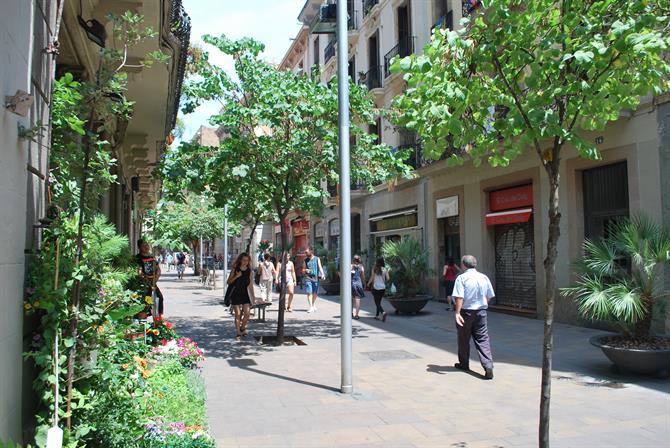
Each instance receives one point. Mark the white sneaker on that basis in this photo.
(310, 310)
(314, 307)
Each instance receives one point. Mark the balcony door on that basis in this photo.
(404, 30)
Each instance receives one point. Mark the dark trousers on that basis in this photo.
(378, 294)
(475, 326)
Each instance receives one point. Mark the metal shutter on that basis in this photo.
(515, 265)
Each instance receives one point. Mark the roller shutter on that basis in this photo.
(515, 265)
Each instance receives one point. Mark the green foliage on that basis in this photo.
(329, 262)
(533, 74)
(408, 265)
(281, 136)
(618, 276)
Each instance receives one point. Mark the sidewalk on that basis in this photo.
(407, 393)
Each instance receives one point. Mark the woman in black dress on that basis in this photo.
(242, 295)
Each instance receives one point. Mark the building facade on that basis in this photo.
(496, 214)
(40, 40)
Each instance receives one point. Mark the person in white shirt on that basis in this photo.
(377, 283)
(268, 274)
(473, 292)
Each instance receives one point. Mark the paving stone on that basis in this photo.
(407, 393)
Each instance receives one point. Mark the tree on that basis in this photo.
(188, 222)
(281, 142)
(531, 76)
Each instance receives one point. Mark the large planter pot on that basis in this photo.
(332, 289)
(640, 361)
(409, 305)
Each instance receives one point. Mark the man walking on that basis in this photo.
(312, 272)
(473, 291)
(268, 274)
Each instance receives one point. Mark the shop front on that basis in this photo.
(511, 219)
(319, 234)
(300, 232)
(395, 225)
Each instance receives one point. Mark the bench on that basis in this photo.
(260, 306)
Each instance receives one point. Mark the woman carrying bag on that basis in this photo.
(241, 293)
(377, 284)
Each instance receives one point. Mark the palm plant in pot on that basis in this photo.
(408, 266)
(619, 282)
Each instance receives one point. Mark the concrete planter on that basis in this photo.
(409, 305)
(640, 361)
(332, 289)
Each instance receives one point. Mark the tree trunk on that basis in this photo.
(76, 292)
(251, 237)
(196, 257)
(550, 295)
(282, 293)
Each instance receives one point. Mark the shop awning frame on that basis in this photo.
(509, 216)
(407, 211)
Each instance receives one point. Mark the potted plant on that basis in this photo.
(618, 283)
(328, 259)
(408, 265)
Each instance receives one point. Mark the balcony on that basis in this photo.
(373, 78)
(445, 22)
(368, 5)
(415, 157)
(404, 48)
(329, 52)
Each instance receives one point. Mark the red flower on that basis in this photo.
(163, 341)
(168, 324)
(158, 318)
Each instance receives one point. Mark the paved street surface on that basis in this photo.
(407, 392)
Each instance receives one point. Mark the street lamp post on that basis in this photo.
(345, 213)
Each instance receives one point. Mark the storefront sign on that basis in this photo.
(446, 207)
(509, 217)
(509, 198)
(300, 227)
(396, 222)
(335, 227)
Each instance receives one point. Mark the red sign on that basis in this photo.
(509, 217)
(508, 198)
(300, 227)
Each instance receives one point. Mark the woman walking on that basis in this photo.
(291, 281)
(357, 282)
(450, 272)
(377, 283)
(242, 295)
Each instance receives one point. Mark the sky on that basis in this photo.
(273, 22)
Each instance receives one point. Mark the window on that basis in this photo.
(605, 191)
(317, 54)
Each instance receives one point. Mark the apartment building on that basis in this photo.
(29, 63)
(497, 214)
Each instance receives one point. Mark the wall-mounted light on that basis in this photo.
(20, 103)
(95, 31)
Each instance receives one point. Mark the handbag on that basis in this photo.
(227, 297)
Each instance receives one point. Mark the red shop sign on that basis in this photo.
(508, 198)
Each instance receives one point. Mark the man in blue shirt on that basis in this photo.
(473, 292)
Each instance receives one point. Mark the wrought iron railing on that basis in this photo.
(368, 5)
(180, 25)
(415, 157)
(329, 52)
(404, 48)
(372, 78)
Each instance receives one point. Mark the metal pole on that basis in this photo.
(225, 247)
(201, 249)
(345, 214)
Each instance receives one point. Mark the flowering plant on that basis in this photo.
(264, 245)
(177, 434)
(186, 349)
(160, 330)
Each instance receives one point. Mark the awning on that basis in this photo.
(408, 211)
(509, 217)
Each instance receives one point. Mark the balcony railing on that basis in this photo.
(368, 5)
(415, 157)
(329, 52)
(446, 21)
(373, 78)
(404, 48)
